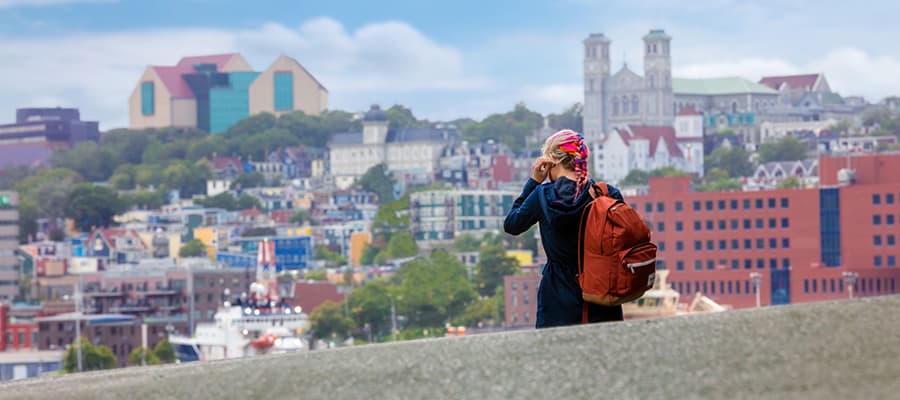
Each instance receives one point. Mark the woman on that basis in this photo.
(557, 206)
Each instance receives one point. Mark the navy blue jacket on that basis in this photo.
(554, 207)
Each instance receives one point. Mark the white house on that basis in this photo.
(648, 147)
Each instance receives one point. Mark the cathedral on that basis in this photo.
(626, 98)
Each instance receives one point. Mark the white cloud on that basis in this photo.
(40, 3)
(97, 71)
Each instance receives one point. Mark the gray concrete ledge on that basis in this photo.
(833, 350)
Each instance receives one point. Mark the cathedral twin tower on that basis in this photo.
(626, 98)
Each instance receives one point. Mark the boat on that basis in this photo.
(663, 301)
(252, 324)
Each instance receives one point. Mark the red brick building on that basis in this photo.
(802, 242)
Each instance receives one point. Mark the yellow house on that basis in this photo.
(523, 256)
(358, 242)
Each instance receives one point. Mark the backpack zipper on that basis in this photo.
(632, 266)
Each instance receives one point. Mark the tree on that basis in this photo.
(433, 289)
(390, 218)
(246, 202)
(9, 175)
(316, 275)
(792, 182)
(150, 358)
(735, 161)
(371, 304)
(720, 185)
(466, 242)
(93, 206)
(511, 128)
(328, 320)
(223, 200)
(568, 119)
(493, 265)
(164, 351)
(93, 358)
(479, 311)
(401, 117)
(668, 170)
(251, 125)
(301, 217)
(144, 199)
(194, 248)
(786, 149)
(378, 180)
(49, 191)
(636, 177)
(335, 259)
(368, 254)
(249, 180)
(402, 245)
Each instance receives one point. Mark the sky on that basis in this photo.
(444, 60)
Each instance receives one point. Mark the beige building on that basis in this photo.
(9, 241)
(213, 92)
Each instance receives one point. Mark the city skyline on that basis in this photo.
(442, 61)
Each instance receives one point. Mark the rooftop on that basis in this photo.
(718, 86)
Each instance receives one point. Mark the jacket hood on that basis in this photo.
(561, 207)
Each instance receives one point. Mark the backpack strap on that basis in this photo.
(599, 189)
(581, 228)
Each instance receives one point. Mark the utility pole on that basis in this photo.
(78, 311)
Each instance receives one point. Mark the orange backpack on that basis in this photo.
(616, 260)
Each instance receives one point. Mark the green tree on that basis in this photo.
(93, 358)
(224, 201)
(246, 202)
(402, 245)
(378, 179)
(194, 248)
(164, 351)
(720, 185)
(301, 217)
(390, 218)
(636, 177)
(334, 259)
(368, 254)
(480, 311)
(792, 182)
(371, 304)
(734, 160)
(93, 206)
(144, 199)
(316, 275)
(786, 149)
(150, 358)
(249, 180)
(402, 117)
(12, 174)
(49, 191)
(251, 125)
(568, 119)
(511, 128)
(493, 265)
(328, 320)
(668, 170)
(433, 289)
(466, 242)
(28, 216)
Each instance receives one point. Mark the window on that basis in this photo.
(876, 219)
(284, 91)
(772, 202)
(698, 226)
(876, 240)
(710, 245)
(785, 223)
(679, 245)
(734, 224)
(735, 244)
(785, 243)
(759, 223)
(746, 224)
(709, 205)
(661, 227)
(746, 203)
(773, 243)
(735, 264)
(876, 199)
(679, 265)
(773, 263)
(679, 226)
(784, 202)
(722, 224)
(709, 225)
(615, 106)
(748, 263)
(889, 219)
(721, 204)
(889, 198)
(147, 98)
(734, 204)
(660, 207)
(759, 203)
(806, 286)
(678, 206)
(698, 245)
(877, 261)
(890, 240)
(773, 223)
(891, 261)
(696, 206)
(698, 265)
(748, 244)
(760, 263)
(662, 247)
(710, 265)
(760, 243)
(785, 263)
(723, 244)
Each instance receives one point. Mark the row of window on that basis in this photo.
(890, 240)
(733, 244)
(890, 260)
(728, 287)
(748, 263)
(525, 318)
(863, 285)
(888, 198)
(710, 205)
(888, 219)
(733, 224)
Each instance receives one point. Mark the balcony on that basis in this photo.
(130, 308)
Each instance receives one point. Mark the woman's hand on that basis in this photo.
(540, 169)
